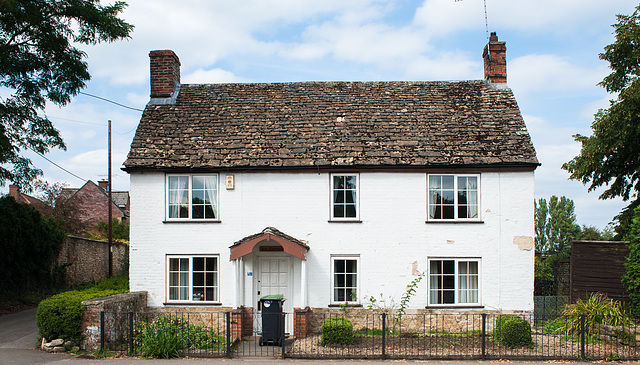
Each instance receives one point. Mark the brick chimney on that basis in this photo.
(104, 185)
(495, 62)
(14, 191)
(165, 73)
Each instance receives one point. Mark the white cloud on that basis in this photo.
(217, 75)
(590, 109)
(542, 73)
(444, 66)
(443, 17)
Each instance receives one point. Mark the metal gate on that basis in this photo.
(251, 339)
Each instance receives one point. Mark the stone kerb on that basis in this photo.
(116, 308)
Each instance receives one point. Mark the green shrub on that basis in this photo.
(165, 337)
(29, 244)
(60, 316)
(512, 331)
(631, 278)
(337, 330)
(598, 310)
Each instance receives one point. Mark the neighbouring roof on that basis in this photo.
(120, 198)
(333, 124)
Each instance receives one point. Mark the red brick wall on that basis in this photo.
(300, 322)
(93, 205)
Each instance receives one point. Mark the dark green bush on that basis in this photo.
(631, 278)
(512, 331)
(29, 244)
(338, 331)
(60, 316)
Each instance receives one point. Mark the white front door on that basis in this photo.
(274, 277)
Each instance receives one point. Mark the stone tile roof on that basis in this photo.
(333, 124)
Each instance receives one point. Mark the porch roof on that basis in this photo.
(291, 245)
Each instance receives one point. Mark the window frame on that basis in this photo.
(335, 258)
(190, 189)
(456, 205)
(457, 261)
(332, 201)
(190, 285)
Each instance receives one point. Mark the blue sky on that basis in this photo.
(552, 64)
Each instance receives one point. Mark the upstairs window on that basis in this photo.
(453, 197)
(344, 197)
(192, 197)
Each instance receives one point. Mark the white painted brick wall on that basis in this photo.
(393, 234)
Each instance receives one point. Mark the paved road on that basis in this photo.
(19, 339)
(19, 334)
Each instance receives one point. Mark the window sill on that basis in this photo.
(195, 303)
(454, 307)
(454, 222)
(192, 221)
(344, 221)
(349, 305)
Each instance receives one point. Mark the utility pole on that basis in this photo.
(110, 208)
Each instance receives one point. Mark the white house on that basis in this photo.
(330, 192)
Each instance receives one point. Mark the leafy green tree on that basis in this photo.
(555, 225)
(631, 278)
(39, 63)
(592, 233)
(611, 153)
(119, 230)
(29, 244)
(58, 206)
(541, 226)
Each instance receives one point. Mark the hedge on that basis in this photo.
(60, 316)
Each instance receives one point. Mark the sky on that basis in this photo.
(553, 67)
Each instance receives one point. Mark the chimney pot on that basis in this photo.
(165, 73)
(495, 62)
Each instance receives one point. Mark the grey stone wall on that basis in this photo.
(116, 308)
(87, 260)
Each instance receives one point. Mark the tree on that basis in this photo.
(39, 63)
(611, 153)
(592, 233)
(541, 229)
(29, 244)
(119, 231)
(631, 278)
(59, 207)
(555, 225)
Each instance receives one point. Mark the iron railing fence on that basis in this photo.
(197, 334)
(374, 335)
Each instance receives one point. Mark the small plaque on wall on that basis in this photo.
(230, 182)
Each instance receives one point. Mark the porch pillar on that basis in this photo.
(234, 279)
(303, 283)
(240, 284)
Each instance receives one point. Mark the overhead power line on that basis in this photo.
(111, 101)
(55, 164)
